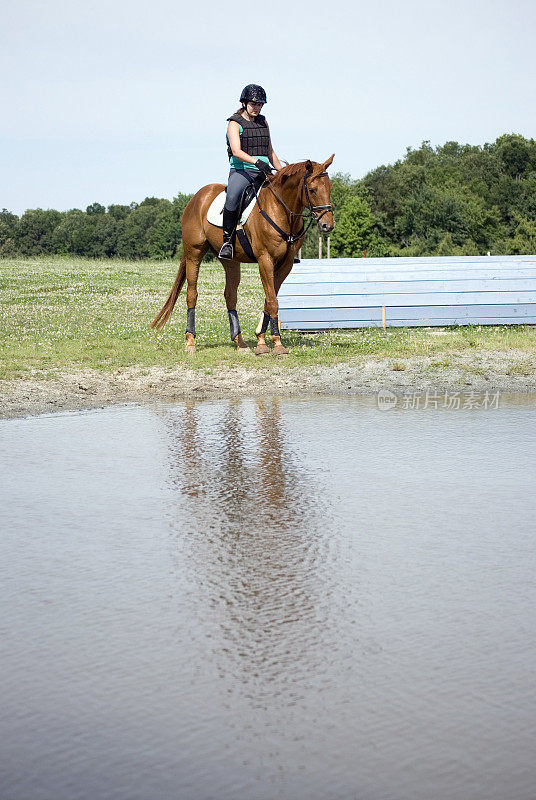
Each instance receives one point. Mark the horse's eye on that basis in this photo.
(313, 191)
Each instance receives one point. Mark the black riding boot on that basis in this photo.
(230, 218)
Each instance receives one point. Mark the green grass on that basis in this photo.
(525, 367)
(59, 312)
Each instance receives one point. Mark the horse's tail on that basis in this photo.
(165, 312)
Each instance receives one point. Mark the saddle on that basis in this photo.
(215, 212)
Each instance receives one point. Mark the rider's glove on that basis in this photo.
(263, 166)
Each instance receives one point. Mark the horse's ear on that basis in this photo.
(328, 162)
(308, 166)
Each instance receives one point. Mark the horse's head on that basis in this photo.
(317, 192)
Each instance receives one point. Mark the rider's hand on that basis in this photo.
(263, 166)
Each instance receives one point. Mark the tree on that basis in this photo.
(106, 233)
(353, 231)
(163, 235)
(524, 239)
(149, 231)
(343, 188)
(34, 232)
(516, 154)
(119, 212)
(8, 228)
(95, 208)
(79, 233)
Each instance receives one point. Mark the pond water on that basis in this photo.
(269, 599)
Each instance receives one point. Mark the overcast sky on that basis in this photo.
(116, 101)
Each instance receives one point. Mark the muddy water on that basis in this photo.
(257, 600)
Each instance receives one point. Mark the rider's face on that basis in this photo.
(253, 108)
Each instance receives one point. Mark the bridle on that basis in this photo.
(311, 217)
(313, 208)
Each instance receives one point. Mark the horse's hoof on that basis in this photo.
(190, 342)
(241, 346)
(280, 350)
(243, 351)
(262, 350)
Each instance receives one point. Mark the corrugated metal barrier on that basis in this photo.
(453, 290)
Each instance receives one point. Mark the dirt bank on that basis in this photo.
(512, 371)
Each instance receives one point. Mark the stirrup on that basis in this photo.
(226, 251)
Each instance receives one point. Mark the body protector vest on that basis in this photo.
(255, 136)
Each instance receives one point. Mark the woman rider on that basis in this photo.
(250, 153)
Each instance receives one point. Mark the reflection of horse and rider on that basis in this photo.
(221, 473)
(263, 551)
(281, 208)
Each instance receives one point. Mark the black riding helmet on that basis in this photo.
(253, 94)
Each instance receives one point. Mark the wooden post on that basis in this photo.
(319, 247)
(329, 243)
(299, 253)
(383, 317)
(365, 252)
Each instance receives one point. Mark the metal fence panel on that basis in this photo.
(349, 293)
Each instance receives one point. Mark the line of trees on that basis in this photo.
(450, 200)
(150, 229)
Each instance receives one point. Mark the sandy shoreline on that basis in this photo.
(511, 371)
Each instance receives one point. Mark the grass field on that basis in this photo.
(66, 312)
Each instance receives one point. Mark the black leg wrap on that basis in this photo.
(234, 323)
(190, 321)
(265, 321)
(274, 326)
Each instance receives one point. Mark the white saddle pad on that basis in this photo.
(215, 212)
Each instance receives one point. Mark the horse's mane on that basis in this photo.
(291, 169)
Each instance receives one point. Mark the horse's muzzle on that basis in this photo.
(326, 225)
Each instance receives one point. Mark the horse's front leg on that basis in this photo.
(272, 278)
(232, 280)
(282, 272)
(267, 317)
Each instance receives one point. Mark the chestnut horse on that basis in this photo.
(275, 229)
